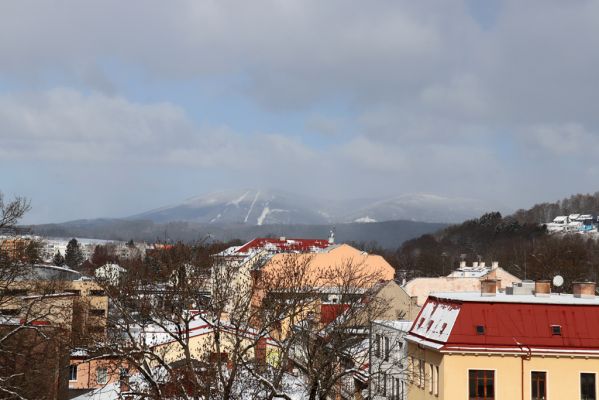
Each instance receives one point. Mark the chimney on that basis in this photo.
(584, 290)
(542, 288)
(482, 264)
(495, 265)
(488, 287)
(474, 264)
(282, 238)
(462, 264)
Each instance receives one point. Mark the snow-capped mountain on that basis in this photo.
(267, 207)
(251, 207)
(418, 207)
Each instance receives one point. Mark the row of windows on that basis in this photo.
(481, 385)
(425, 375)
(101, 374)
(383, 346)
(391, 386)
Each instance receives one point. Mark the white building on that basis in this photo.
(388, 360)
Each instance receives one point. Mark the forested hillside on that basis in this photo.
(545, 212)
(519, 242)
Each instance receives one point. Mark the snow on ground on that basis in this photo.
(238, 200)
(262, 216)
(252, 206)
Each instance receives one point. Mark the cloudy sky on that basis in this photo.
(110, 108)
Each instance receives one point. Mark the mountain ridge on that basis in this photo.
(267, 207)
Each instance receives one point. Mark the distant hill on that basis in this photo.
(546, 212)
(519, 242)
(267, 207)
(389, 234)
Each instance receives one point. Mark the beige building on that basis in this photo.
(464, 279)
(494, 345)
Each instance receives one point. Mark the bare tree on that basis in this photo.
(233, 330)
(35, 316)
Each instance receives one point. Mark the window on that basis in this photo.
(387, 349)
(587, 386)
(436, 393)
(397, 391)
(97, 312)
(556, 330)
(481, 385)
(102, 376)
(421, 374)
(480, 329)
(72, 372)
(377, 346)
(97, 293)
(538, 384)
(431, 379)
(384, 384)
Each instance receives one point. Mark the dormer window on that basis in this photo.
(443, 327)
(480, 329)
(430, 323)
(556, 330)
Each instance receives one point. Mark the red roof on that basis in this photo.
(285, 245)
(330, 312)
(452, 324)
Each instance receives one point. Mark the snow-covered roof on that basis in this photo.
(398, 325)
(553, 298)
(436, 321)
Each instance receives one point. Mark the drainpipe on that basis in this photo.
(524, 357)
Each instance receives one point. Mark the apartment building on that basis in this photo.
(388, 360)
(490, 345)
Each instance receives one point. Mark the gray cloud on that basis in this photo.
(431, 98)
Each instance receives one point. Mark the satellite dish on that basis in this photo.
(558, 281)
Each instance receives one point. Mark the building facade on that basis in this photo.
(489, 345)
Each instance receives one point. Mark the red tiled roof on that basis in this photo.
(448, 324)
(301, 245)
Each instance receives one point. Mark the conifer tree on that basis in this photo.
(58, 259)
(73, 256)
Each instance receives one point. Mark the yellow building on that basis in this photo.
(488, 345)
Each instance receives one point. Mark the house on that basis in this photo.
(464, 279)
(388, 360)
(493, 345)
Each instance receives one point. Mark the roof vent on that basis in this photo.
(462, 264)
(480, 329)
(488, 287)
(585, 290)
(495, 265)
(475, 264)
(542, 288)
(482, 264)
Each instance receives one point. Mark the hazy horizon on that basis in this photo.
(116, 109)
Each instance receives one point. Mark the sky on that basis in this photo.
(110, 108)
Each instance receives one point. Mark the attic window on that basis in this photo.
(480, 329)
(421, 322)
(430, 323)
(443, 327)
(556, 330)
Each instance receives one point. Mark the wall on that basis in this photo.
(563, 374)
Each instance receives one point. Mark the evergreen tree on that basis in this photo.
(58, 259)
(73, 256)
